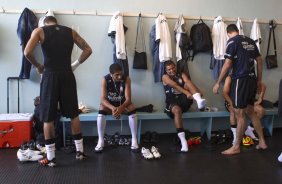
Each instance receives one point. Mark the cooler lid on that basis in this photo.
(16, 117)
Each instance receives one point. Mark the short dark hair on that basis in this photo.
(115, 67)
(169, 62)
(232, 28)
(50, 19)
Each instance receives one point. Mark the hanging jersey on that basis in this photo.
(57, 47)
(242, 51)
(115, 90)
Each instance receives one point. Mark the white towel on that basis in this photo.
(116, 25)
(219, 38)
(163, 34)
(240, 26)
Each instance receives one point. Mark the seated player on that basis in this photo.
(180, 92)
(115, 100)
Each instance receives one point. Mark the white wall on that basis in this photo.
(94, 30)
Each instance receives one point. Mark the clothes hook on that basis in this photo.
(3, 10)
(96, 12)
(73, 11)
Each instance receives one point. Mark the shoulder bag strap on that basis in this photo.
(269, 38)
(274, 41)
(138, 25)
(142, 33)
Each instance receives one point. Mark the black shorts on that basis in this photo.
(181, 100)
(243, 92)
(58, 88)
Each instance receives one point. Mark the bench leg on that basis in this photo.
(139, 131)
(64, 133)
(206, 126)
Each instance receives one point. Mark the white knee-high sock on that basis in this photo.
(132, 119)
(50, 150)
(101, 125)
(234, 135)
(79, 145)
(183, 141)
(200, 101)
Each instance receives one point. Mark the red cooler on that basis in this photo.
(15, 129)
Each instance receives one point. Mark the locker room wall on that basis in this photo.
(94, 30)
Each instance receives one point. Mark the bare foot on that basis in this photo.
(231, 151)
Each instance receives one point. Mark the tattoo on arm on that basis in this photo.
(81, 43)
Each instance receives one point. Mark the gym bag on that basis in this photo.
(271, 60)
(140, 58)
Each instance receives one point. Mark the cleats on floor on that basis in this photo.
(80, 156)
(155, 152)
(146, 153)
(46, 162)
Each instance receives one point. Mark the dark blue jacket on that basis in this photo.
(27, 23)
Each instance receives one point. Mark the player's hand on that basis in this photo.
(40, 69)
(215, 88)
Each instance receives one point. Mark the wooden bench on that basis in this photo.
(206, 119)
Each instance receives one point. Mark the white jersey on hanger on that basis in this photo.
(240, 26)
(179, 28)
(163, 34)
(255, 33)
(116, 25)
(219, 38)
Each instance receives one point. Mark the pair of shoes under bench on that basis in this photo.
(147, 154)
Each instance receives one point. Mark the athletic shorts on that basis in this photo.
(58, 88)
(243, 92)
(181, 100)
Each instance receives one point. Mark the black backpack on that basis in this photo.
(200, 35)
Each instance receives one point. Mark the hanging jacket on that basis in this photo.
(182, 46)
(117, 33)
(26, 24)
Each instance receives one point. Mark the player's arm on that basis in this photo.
(226, 90)
(103, 97)
(31, 44)
(83, 45)
(224, 70)
(127, 95)
(167, 81)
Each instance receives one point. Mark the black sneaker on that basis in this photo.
(147, 137)
(154, 137)
(80, 156)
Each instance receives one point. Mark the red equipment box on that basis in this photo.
(15, 129)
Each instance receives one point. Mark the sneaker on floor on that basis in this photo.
(280, 158)
(28, 155)
(46, 162)
(155, 152)
(80, 156)
(146, 153)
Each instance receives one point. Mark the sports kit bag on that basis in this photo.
(140, 58)
(271, 60)
(200, 35)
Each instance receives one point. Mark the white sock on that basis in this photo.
(183, 140)
(280, 158)
(50, 150)
(79, 145)
(132, 119)
(101, 125)
(200, 101)
(249, 132)
(234, 135)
